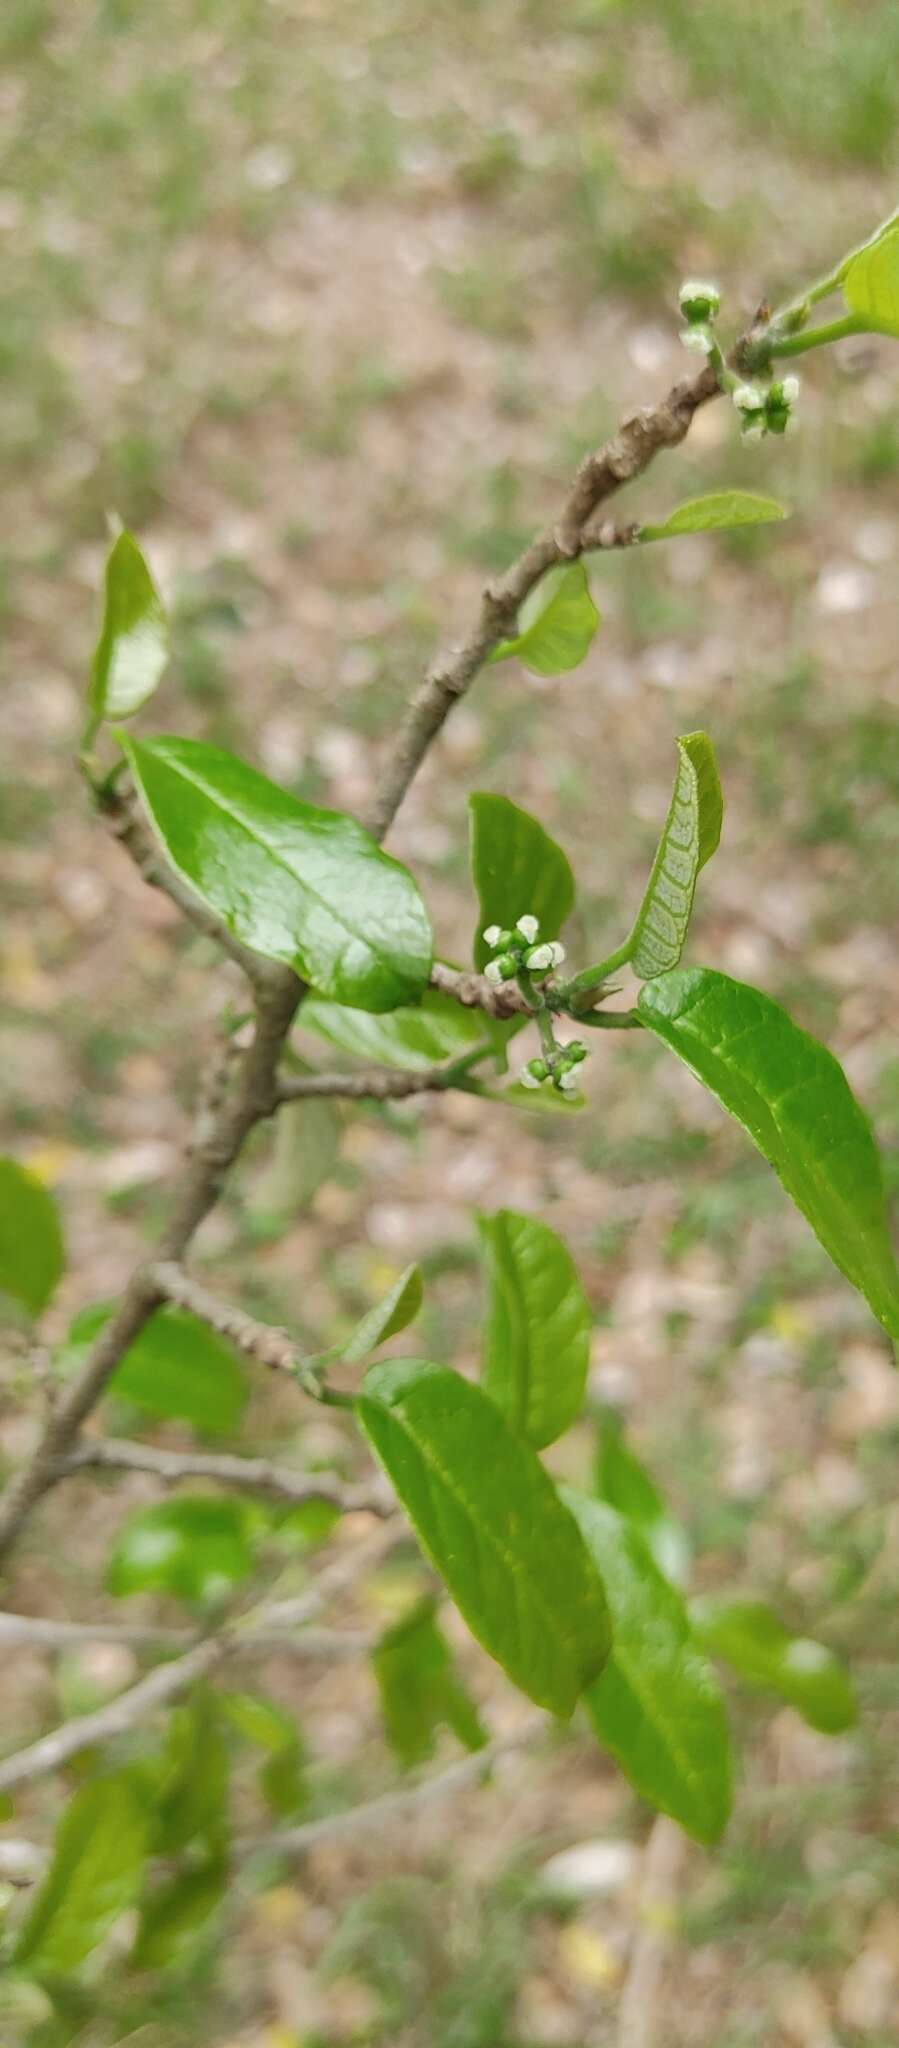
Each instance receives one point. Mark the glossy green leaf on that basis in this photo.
(746, 1635)
(176, 1914)
(416, 1037)
(419, 1688)
(399, 1307)
(624, 1483)
(133, 647)
(657, 1707)
(871, 283)
(490, 1521)
(556, 623)
(95, 1875)
(31, 1248)
(794, 1100)
(536, 1346)
(715, 511)
(302, 885)
(176, 1367)
(196, 1547)
(691, 834)
(517, 869)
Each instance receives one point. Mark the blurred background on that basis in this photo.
(326, 301)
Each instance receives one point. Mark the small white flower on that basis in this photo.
(697, 288)
(527, 1079)
(790, 389)
(749, 398)
(696, 338)
(568, 1081)
(491, 934)
(755, 431)
(528, 927)
(539, 958)
(557, 951)
(493, 973)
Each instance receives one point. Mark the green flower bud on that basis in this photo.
(576, 1052)
(539, 1069)
(699, 301)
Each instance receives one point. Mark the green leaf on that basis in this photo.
(282, 1779)
(691, 833)
(176, 1913)
(490, 1521)
(517, 870)
(176, 1367)
(419, 1688)
(196, 1546)
(191, 1800)
(749, 1637)
(537, 1331)
(657, 1707)
(557, 623)
(624, 1483)
(95, 1875)
(133, 647)
(794, 1100)
(399, 1307)
(434, 1030)
(302, 885)
(871, 283)
(31, 1248)
(715, 511)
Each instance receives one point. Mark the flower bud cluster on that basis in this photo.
(766, 410)
(561, 1071)
(519, 949)
(699, 304)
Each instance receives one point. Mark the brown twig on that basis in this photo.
(262, 1342)
(248, 1475)
(167, 1682)
(383, 1084)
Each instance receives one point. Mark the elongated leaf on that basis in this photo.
(794, 1100)
(133, 647)
(491, 1523)
(517, 869)
(691, 834)
(624, 1483)
(399, 1307)
(31, 1248)
(537, 1329)
(434, 1030)
(746, 1635)
(176, 1367)
(556, 623)
(657, 1706)
(715, 511)
(298, 884)
(176, 1914)
(871, 283)
(419, 1688)
(95, 1875)
(196, 1547)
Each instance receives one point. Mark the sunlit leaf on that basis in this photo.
(32, 1256)
(556, 623)
(298, 884)
(871, 283)
(746, 1635)
(95, 1875)
(716, 511)
(491, 1523)
(133, 647)
(536, 1346)
(196, 1546)
(794, 1100)
(624, 1483)
(399, 1307)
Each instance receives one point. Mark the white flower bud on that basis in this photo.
(749, 398)
(527, 1079)
(754, 430)
(568, 1081)
(528, 927)
(790, 388)
(493, 973)
(557, 951)
(539, 959)
(492, 934)
(696, 338)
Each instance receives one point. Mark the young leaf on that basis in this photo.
(31, 1248)
(556, 623)
(196, 1547)
(517, 870)
(133, 647)
(175, 1914)
(624, 1483)
(399, 1307)
(691, 834)
(419, 1688)
(871, 283)
(491, 1523)
(537, 1330)
(716, 511)
(176, 1367)
(749, 1637)
(298, 884)
(794, 1100)
(95, 1875)
(656, 1707)
(434, 1030)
